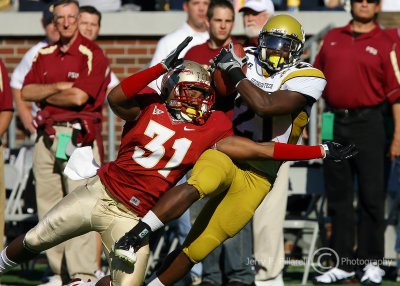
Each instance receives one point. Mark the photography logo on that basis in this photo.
(322, 259)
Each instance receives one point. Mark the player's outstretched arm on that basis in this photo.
(122, 97)
(240, 148)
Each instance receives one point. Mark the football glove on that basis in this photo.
(173, 60)
(337, 152)
(227, 60)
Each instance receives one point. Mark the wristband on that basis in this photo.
(293, 152)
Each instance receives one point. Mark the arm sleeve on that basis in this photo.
(135, 83)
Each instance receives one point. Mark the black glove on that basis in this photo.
(337, 152)
(172, 60)
(229, 61)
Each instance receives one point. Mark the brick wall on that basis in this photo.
(127, 55)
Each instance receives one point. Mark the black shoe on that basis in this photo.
(130, 242)
(123, 249)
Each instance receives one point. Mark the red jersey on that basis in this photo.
(6, 99)
(359, 70)
(156, 151)
(84, 64)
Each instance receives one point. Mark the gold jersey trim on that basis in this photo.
(47, 51)
(87, 52)
(309, 72)
(395, 65)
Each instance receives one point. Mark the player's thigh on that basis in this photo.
(238, 206)
(117, 219)
(213, 173)
(226, 214)
(69, 218)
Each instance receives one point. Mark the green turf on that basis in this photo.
(19, 276)
(23, 277)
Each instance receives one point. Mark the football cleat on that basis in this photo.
(126, 255)
(372, 275)
(334, 276)
(131, 241)
(124, 250)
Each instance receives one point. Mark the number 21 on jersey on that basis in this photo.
(161, 134)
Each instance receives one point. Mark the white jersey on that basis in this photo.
(170, 41)
(18, 76)
(302, 78)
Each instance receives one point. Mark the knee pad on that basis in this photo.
(31, 241)
(199, 250)
(213, 173)
(35, 239)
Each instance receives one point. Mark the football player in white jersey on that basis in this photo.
(277, 84)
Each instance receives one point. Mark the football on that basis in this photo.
(221, 82)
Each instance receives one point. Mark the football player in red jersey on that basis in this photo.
(162, 139)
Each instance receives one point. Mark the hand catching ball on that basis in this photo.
(221, 82)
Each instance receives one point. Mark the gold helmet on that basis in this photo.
(280, 43)
(187, 92)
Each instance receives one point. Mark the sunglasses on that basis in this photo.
(368, 1)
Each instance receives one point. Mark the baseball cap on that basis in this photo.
(259, 6)
(47, 16)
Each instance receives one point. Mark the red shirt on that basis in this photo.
(201, 54)
(84, 64)
(6, 99)
(359, 71)
(156, 150)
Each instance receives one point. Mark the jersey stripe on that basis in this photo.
(395, 65)
(304, 72)
(87, 52)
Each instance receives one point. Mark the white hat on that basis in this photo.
(259, 6)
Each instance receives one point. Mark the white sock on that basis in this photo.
(155, 282)
(5, 263)
(153, 221)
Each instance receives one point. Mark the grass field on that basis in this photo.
(292, 276)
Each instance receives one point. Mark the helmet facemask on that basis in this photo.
(277, 52)
(188, 94)
(191, 102)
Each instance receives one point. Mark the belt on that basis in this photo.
(65, 123)
(350, 112)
